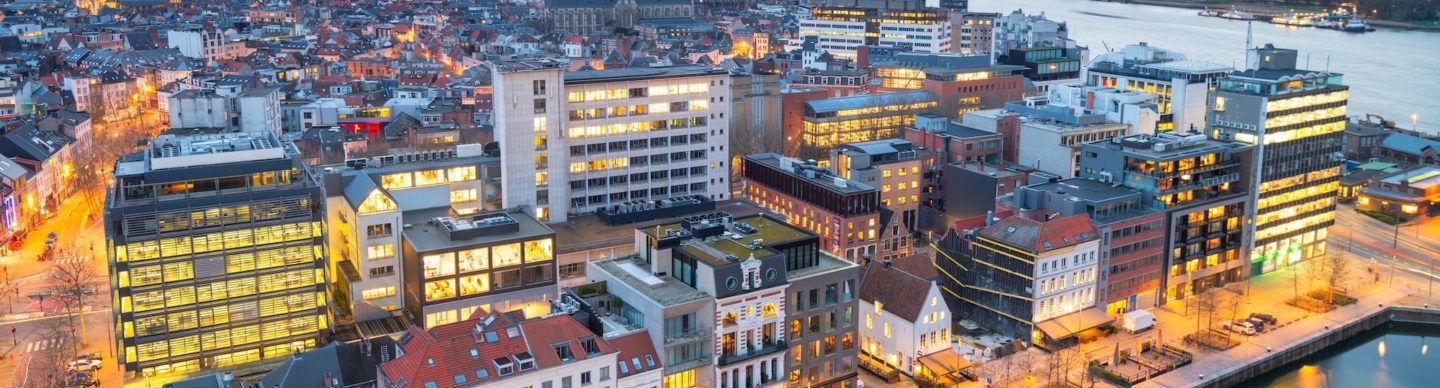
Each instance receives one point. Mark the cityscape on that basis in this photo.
(718, 194)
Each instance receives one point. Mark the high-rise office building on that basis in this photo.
(844, 29)
(1296, 120)
(1181, 86)
(217, 255)
(576, 142)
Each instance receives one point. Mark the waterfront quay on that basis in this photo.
(1301, 337)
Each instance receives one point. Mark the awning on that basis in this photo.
(944, 363)
(1069, 324)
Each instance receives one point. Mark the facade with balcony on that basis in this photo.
(712, 291)
(1197, 183)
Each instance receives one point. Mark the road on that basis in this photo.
(1415, 250)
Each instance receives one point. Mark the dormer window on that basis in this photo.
(591, 348)
(503, 366)
(527, 362)
(562, 350)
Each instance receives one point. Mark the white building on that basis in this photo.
(906, 318)
(1134, 108)
(321, 112)
(198, 109)
(1181, 86)
(1050, 137)
(575, 142)
(1018, 30)
(1065, 280)
(201, 43)
(259, 110)
(842, 30)
(366, 209)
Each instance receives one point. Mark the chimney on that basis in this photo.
(328, 381)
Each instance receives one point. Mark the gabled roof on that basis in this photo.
(469, 350)
(1037, 236)
(899, 292)
(637, 354)
(359, 188)
(1410, 144)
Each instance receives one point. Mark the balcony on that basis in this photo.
(687, 337)
(765, 349)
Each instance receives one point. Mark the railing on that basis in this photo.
(765, 348)
(687, 337)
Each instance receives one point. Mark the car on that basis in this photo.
(82, 379)
(1269, 319)
(1241, 327)
(85, 363)
(1257, 322)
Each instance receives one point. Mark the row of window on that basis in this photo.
(621, 146)
(622, 196)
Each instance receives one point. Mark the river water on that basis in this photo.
(1384, 357)
(1388, 70)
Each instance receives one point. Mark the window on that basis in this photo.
(459, 379)
(584, 378)
(503, 366)
(383, 251)
(604, 373)
(474, 259)
(562, 350)
(539, 87)
(887, 329)
(376, 293)
(505, 255)
(539, 105)
(463, 195)
(378, 230)
(439, 265)
(382, 271)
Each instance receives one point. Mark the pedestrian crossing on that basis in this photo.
(35, 346)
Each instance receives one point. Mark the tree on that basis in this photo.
(72, 283)
(1332, 270)
(9, 290)
(46, 367)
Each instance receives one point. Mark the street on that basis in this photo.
(27, 331)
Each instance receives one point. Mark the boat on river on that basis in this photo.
(1235, 14)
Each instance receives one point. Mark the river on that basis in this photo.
(1396, 356)
(1388, 70)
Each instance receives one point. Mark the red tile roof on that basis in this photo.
(471, 346)
(1041, 236)
(636, 349)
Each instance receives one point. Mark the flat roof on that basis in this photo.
(869, 100)
(1190, 65)
(426, 236)
(589, 232)
(1421, 178)
(714, 251)
(639, 73)
(634, 272)
(823, 176)
(1086, 189)
(828, 263)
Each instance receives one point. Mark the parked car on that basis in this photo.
(85, 363)
(1257, 322)
(82, 379)
(1267, 318)
(1242, 327)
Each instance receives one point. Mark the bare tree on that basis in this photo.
(73, 282)
(9, 290)
(1071, 359)
(1332, 270)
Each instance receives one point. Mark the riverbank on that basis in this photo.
(1266, 8)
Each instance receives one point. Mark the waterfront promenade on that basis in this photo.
(1373, 297)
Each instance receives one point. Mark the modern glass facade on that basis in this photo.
(1296, 118)
(215, 265)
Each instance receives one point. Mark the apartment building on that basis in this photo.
(493, 349)
(843, 29)
(897, 168)
(906, 319)
(1132, 243)
(605, 137)
(712, 291)
(201, 43)
(217, 254)
(1019, 274)
(1198, 184)
(1181, 86)
(371, 201)
(1296, 120)
(1047, 138)
(845, 214)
